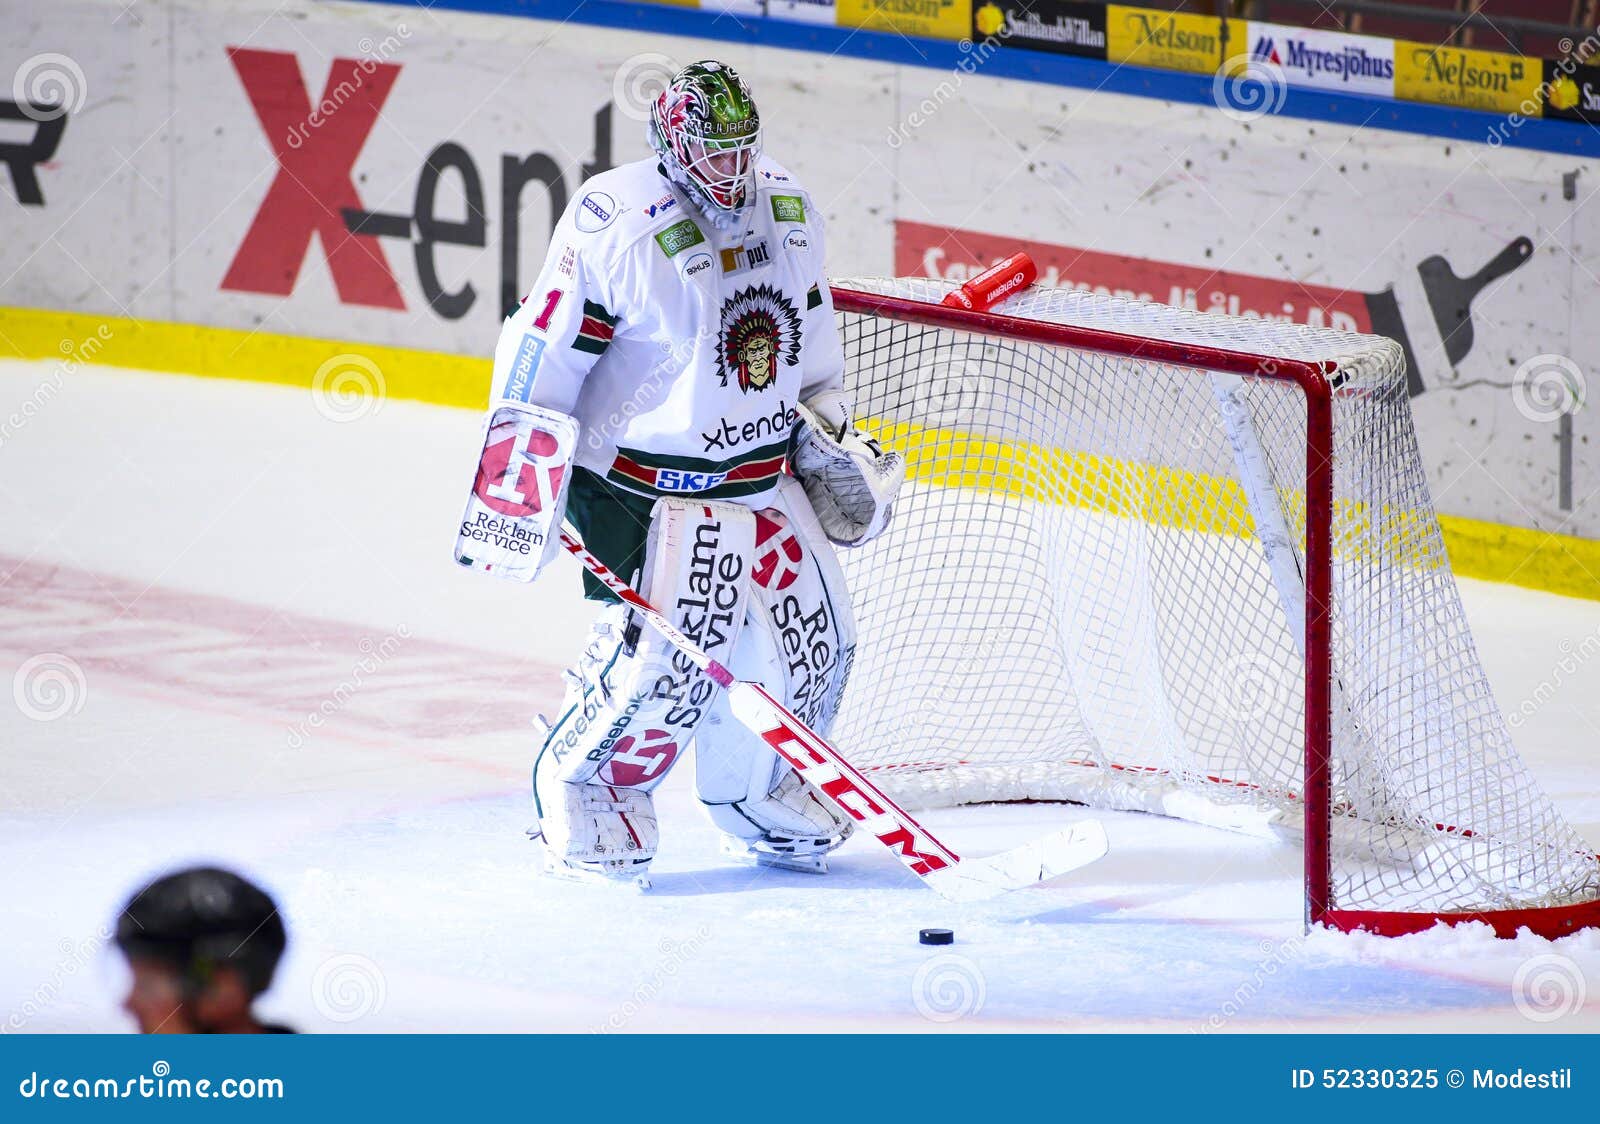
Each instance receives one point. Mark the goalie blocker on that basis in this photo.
(513, 518)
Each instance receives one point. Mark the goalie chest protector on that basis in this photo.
(706, 337)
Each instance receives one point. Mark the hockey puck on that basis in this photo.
(937, 936)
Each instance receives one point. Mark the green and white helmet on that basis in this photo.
(705, 128)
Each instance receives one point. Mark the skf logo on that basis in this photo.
(679, 480)
(742, 258)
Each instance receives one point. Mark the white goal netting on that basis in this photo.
(1092, 591)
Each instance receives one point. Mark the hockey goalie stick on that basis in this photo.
(826, 770)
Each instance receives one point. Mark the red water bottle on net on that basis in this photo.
(995, 284)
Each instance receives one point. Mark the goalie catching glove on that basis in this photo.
(850, 481)
(512, 525)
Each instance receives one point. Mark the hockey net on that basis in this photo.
(1157, 560)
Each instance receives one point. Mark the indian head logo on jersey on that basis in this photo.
(760, 330)
(778, 551)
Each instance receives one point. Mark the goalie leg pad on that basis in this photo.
(633, 701)
(600, 831)
(799, 644)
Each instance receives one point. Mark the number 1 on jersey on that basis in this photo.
(551, 299)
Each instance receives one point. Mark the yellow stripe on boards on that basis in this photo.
(1166, 496)
(1173, 497)
(1497, 552)
(941, 457)
(73, 338)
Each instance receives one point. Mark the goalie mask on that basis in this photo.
(706, 130)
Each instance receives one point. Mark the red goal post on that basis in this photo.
(1062, 326)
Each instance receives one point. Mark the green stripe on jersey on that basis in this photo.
(594, 334)
(598, 311)
(727, 490)
(703, 464)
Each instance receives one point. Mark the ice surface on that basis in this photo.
(275, 664)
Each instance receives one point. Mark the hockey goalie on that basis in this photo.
(672, 388)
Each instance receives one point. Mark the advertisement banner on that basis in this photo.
(395, 186)
(1469, 79)
(926, 250)
(1460, 252)
(1063, 26)
(937, 19)
(1326, 60)
(376, 188)
(1571, 91)
(804, 11)
(1170, 40)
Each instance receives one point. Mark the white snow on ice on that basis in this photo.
(220, 563)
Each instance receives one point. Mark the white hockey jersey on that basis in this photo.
(681, 350)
